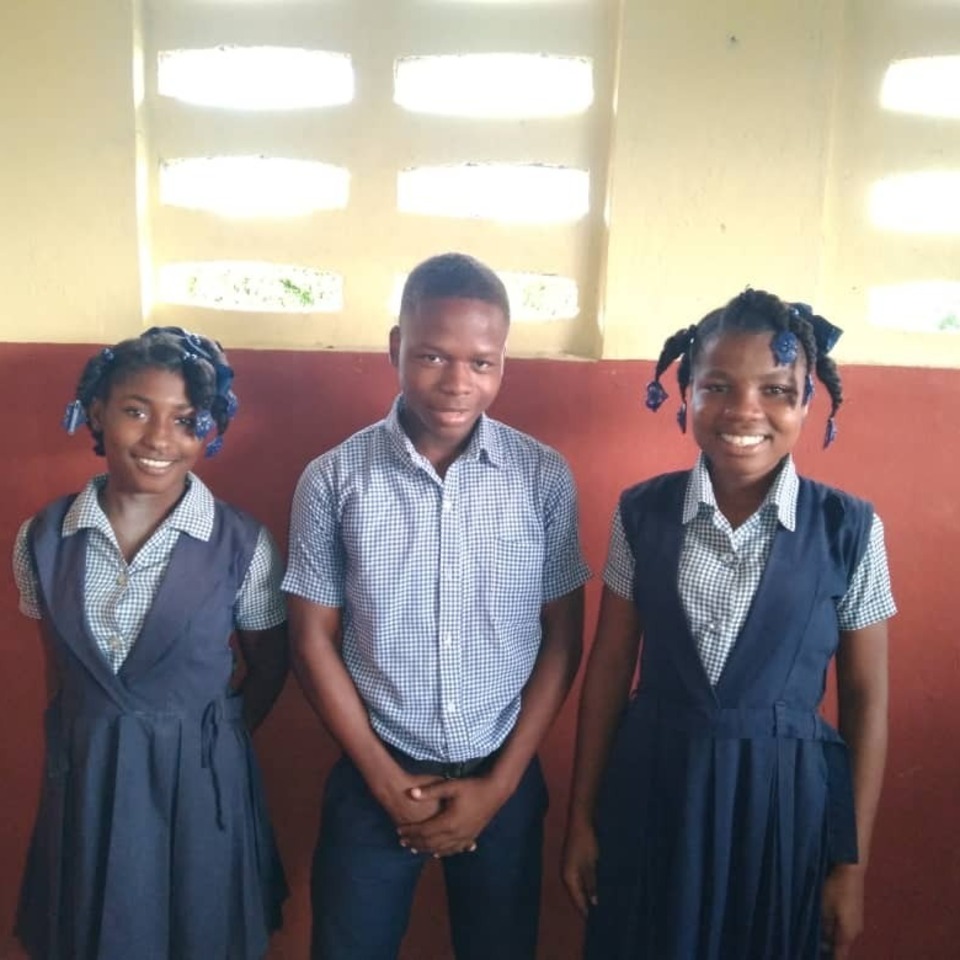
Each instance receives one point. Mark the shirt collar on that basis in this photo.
(192, 515)
(484, 441)
(782, 494)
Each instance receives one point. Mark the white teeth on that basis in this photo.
(741, 441)
(155, 464)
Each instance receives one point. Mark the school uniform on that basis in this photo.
(727, 797)
(152, 839)
(441, 581)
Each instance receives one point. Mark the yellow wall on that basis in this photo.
(68, 244)
(744, 138)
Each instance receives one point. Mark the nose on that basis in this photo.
(157, 432)
(457, 378)
(743, 402)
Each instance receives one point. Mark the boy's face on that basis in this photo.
(449, 357)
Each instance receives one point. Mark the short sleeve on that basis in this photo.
(24, 575)
(316, 565)
(868, 598)
(564, 566)
(260, 604)
(618, 572)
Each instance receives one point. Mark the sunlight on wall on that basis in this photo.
(251, 286)
(928, 306)
(501, 85)
(253, 186)
(924, 202)
(929, 86)
(256, 78)
(508, 192)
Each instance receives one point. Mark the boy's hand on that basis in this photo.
(397, 799)
(468, 805)
(579, 870)
(842, 909)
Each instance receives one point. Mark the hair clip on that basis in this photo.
(785, 348)
(656, 395)
(74, 416)
(682, 417)
(808, 389)
(203, 424)
(107, 355)
(213, 447)
(831, 432)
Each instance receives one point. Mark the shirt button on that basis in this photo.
(448, 640)
(121, 579)
(115, 643)
(450, 706)
(730, 559)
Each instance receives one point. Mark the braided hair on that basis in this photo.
(201, 362)
(754, 311)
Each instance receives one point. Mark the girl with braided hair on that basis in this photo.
(714, 814)
(152, 840)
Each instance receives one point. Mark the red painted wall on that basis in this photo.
(898, 446)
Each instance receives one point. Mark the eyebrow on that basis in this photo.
(186, 405)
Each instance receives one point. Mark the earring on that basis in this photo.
(682, 417)
(831, 433)
(807, 390)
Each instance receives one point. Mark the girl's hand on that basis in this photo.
(842, 909)
(579, 869)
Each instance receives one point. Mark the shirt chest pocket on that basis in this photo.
(513, 572)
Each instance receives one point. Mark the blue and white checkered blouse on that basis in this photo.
(118, 595)
(441, 581)
(720, 568)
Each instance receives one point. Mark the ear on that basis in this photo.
(395, 346)
(95, 415)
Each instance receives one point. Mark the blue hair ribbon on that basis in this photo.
(656, 395)
(74, 416)
(785, 348)
(825, 334)
(194, 350)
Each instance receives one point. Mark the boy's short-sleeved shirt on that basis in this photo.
(118, 595)
(721, 567)
(441, 581)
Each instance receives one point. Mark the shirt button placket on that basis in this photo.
(448, 619)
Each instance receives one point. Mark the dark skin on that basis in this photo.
(147, 423)
(449, 357)
(748, 415)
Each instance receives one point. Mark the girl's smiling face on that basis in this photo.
(747, 410)
(148, 430)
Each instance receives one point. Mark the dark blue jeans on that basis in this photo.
(363, 881)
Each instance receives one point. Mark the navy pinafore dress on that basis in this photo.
(152, 840)
(722, 807)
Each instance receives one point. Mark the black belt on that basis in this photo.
(438, 768)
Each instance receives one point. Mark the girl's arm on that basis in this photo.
(266, 658)
(863, 695)
(606, 687)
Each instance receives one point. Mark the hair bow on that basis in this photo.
(825, 334)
